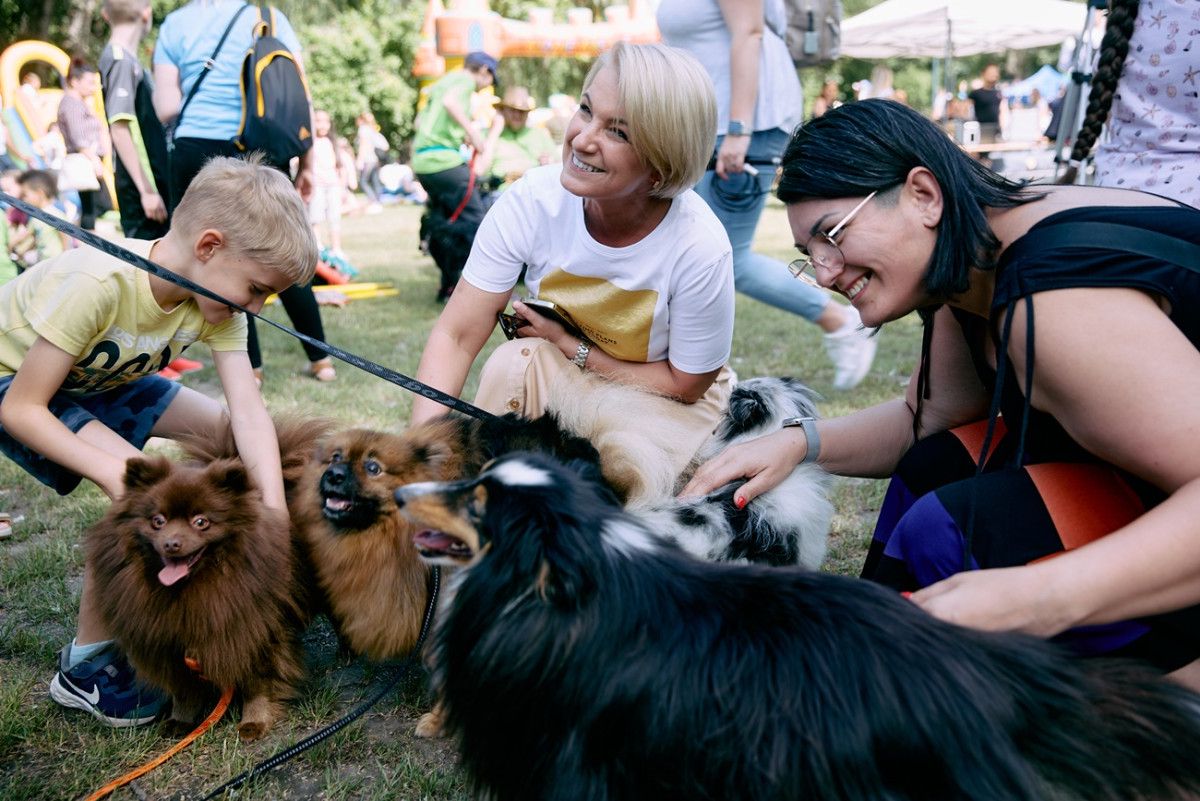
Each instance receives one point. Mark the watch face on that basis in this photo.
(736, 128)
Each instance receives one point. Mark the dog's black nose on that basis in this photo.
(336, 475)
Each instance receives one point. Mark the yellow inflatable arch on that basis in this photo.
(35, 117)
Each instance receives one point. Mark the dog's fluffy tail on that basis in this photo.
(297, 436)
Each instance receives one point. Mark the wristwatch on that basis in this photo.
(736, 128)
(581, 354)
(809, 424)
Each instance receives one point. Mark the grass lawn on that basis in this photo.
(50, 753)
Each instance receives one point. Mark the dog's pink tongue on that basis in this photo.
(432, 540)
(174, 570)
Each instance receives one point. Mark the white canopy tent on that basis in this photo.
(942, 28)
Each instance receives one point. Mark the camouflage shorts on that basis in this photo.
(131, 410)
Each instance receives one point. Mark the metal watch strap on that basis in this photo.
(811, 435)
(581, 354)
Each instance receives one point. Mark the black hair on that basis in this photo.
(1114, 47)
(78, 69)
(41, 180)
(872, 145)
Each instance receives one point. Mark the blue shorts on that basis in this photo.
(131, 410)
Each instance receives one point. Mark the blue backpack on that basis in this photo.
(276, 109)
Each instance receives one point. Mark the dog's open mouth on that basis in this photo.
(336, 505)
(438, 543)
(175, 569)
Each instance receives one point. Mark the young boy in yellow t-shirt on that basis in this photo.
(82, 337)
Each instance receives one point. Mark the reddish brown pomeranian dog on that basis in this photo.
(189, 565)
(373, 584)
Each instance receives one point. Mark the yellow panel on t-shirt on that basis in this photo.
(617, 320)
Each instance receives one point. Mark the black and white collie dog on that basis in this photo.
(788, 525)
(583, 658)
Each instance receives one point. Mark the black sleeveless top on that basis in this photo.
(1026, 268)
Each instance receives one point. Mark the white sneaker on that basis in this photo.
(852, 350)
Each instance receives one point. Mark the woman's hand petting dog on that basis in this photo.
(764, 463)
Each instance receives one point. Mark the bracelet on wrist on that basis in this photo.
(811, 436)
(581, 354)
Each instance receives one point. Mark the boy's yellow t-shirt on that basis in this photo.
(100, 308)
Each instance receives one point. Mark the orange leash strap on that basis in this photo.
(218, 711)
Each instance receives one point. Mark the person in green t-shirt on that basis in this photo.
(520, 146)
(441, 129)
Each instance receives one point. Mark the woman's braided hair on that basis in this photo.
(1113, 50)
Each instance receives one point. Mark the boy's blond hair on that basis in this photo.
(119, 12)
(258, 211)
(670, 108)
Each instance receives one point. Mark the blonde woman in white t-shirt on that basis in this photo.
(617, 238)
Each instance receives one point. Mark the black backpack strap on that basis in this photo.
(266, 18)
(1127, 238)
(209, 63)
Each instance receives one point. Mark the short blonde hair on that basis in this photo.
(670, 107)
(258, 211)
(119, 12)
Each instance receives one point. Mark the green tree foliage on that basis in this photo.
(363, 61)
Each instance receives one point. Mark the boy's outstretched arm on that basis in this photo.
(96, 452)
(253, 429)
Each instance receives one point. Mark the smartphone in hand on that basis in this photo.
(554, 312)
(509, 323)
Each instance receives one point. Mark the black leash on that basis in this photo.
(116, 251)
(333, 728)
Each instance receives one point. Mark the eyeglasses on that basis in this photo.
(823, 250)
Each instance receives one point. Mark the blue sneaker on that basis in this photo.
(107, 687)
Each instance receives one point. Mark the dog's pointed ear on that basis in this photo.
(145, 471)
(562, 582)
(433, 454)
(230, 474)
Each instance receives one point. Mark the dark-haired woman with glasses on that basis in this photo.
(1044, 462)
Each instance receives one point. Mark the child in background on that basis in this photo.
(38, 241)
(51, 148)
(328, 183)
(138, 140)
(351, 203)
(8, 263)
(81, 338)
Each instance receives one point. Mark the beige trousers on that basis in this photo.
(645, 440)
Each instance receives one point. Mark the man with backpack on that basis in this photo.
(204, 48)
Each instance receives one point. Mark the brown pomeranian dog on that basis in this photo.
(191, 567)
(344, 509)
(375, 588)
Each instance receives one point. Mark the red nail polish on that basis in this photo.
(906, 595)
(740, 502)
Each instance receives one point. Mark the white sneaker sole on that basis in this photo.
(64, 697)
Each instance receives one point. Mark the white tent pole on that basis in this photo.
(947, 76)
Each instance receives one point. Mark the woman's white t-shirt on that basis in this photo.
(668, 297)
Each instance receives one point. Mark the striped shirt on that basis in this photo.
(79, 126)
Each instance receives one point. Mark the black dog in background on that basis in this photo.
(448, 242)
(582, 658)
